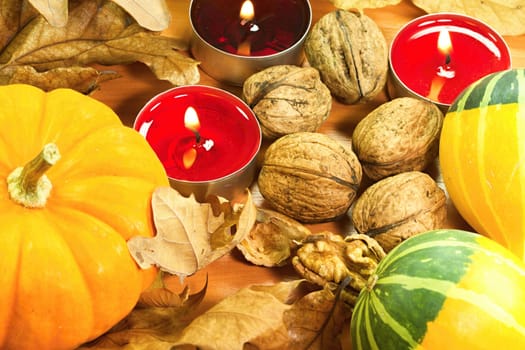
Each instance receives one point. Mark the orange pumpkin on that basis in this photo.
(67, 275)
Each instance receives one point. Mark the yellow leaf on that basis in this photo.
(360, 4)
(54, 11)
(95, 33)
(190, 235)
(83, 79)
(506, 17)
(150, 14)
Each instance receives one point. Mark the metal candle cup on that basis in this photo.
(420, 67)
(218, 155)
(231, 48)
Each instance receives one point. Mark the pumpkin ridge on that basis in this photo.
(410, 249)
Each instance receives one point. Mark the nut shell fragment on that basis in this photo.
(273, 239)
(350, 51)
(288, 99)
(398, 207)
(309, 177)
(398, 136)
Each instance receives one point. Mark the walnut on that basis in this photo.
(327, 259)
(309, 177)
(351, 54)
(398, 207)
(287, 99)
(398, 136)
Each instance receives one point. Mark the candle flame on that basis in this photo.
(191, 119)
(247, 11)
(444, 42)
(189, 157)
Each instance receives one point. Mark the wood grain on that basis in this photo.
(137, 85)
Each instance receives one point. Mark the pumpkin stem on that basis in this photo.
(28, 185)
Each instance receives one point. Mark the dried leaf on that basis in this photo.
(273, 239)
(270, 318)
(313, 322)
(150, 14)
(95, 33)
(190, 235)
(13, 16)
(160, 318)
(287, 315)
(360, 4)
(54, 11)
(84, 79)
(506, 17)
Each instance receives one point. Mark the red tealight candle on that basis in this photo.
(236, 38)
(438, 55)
(206, 138)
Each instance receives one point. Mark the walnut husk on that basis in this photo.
(309, 177)
(287, 99)
(350, 51)
(273, 239)
(398, 136)
(328, 259)
(398, 207)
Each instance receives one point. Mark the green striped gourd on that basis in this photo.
(443, 289)
(482, 157)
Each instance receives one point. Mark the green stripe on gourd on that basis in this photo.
(496, 88)
(402, 273)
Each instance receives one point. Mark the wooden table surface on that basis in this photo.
(137, 85)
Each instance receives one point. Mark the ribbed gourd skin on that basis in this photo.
(443, 289)
(482, 157)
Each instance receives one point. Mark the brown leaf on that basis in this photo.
(102, 34)
(150, 14)
(237, 320)
(506, 17)
(13, 16)
(157, 320)
(273, 317)
(54, 11)
(190, 235)
(360, 4)
(83, 79)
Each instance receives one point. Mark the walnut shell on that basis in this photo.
(287, 99)
(398, 136)
(398, 207)
(309, 177)
(350, 51)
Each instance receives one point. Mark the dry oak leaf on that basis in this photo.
(159, 316)
(150, 14)
(269, 317)
(190, 235)
(506, 17)
(360, 4)
(95, 33)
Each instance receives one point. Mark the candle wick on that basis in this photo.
(197, 136)
(447, 59)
